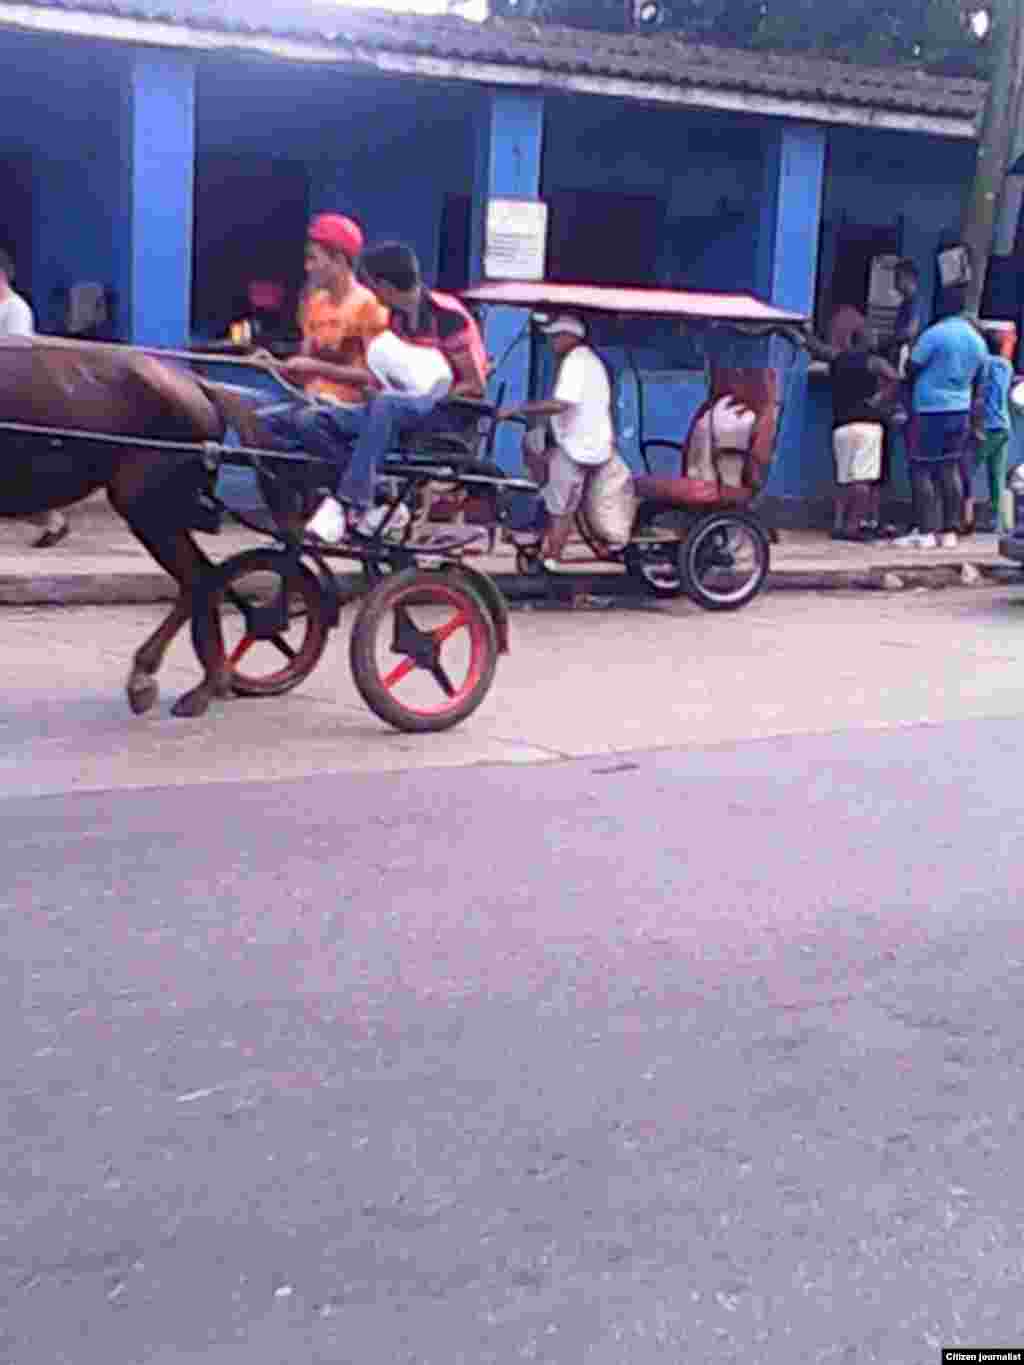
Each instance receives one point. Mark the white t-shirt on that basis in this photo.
(585, 433)
(419, 371)
(16, 318)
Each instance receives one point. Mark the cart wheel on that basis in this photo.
(724, 561)
(268, 619)
(652, 556)
(423, 650)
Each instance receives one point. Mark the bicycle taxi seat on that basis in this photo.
(729, 446)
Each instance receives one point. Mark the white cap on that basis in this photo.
(564, 323)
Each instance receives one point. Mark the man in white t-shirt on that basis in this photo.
(580, 412)
(16, 320)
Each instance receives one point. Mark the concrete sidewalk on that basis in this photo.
(100, 563)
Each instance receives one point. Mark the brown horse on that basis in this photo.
(116, 391)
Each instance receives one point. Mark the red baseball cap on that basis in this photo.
(331, 229)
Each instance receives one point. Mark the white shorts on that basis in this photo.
(857, 450)
(566, 484)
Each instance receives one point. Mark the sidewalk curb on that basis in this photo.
(147, 588)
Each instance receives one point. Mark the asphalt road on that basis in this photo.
(704, 1053)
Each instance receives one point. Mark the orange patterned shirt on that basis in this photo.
(340, 333)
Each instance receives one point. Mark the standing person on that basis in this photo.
(580, 412)
(860, 379)
(945, 367)
(432, 350)
(908, 321)
(338, 318)
(994, 396)
(16, 320)
(906, 329)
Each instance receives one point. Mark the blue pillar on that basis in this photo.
(156, 271)
(510, 135)
(787, 272)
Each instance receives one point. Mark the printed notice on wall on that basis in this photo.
(515, 241)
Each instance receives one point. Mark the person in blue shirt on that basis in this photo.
(945, 368)
(994, 402)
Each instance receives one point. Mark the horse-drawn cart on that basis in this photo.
(428, 632)
(427, 635)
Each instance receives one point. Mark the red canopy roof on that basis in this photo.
(742, 309)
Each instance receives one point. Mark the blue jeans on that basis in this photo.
(323, 429)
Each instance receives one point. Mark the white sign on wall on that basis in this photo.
(954, 267)
(515, 239)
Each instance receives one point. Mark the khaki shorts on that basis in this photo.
(566, 484)
(857, 449)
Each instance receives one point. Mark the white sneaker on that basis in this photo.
(916, 540)
(328, 521)
(950, 540)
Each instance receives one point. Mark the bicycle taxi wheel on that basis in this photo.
(423, 650)
(264, 614)
(724, 560)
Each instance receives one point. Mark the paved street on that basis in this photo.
(667, 1010)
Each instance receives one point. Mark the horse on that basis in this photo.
(117, 391)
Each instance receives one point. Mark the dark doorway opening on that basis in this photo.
(250, 224)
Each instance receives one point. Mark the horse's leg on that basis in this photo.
(175, 551)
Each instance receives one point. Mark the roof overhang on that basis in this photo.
(344, 52)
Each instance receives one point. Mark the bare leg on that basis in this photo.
(557, 535)
(951, 495)
(858, 506)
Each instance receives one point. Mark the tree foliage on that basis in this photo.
(933, 34)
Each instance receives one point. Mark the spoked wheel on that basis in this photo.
(724, 561)
(264, 613)
(423, 650)
(652, 555)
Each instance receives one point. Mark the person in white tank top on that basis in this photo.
(16, 320)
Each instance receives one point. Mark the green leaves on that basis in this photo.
(934, 34)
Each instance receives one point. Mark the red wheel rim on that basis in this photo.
(296, 657)
(466, 616)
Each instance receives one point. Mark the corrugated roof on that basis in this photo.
(664, 58)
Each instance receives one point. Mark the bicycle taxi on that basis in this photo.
(696, 528)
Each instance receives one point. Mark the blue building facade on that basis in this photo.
(173, 159)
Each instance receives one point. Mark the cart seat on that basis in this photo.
(452, 430)
(737, 460)
(685, 492)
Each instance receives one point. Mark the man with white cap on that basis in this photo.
(580, 413)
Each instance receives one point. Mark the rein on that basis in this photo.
(42, 343)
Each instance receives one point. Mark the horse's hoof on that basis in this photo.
(192, 704)
(142, 697)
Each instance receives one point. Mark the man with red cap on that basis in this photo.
(338, 316)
